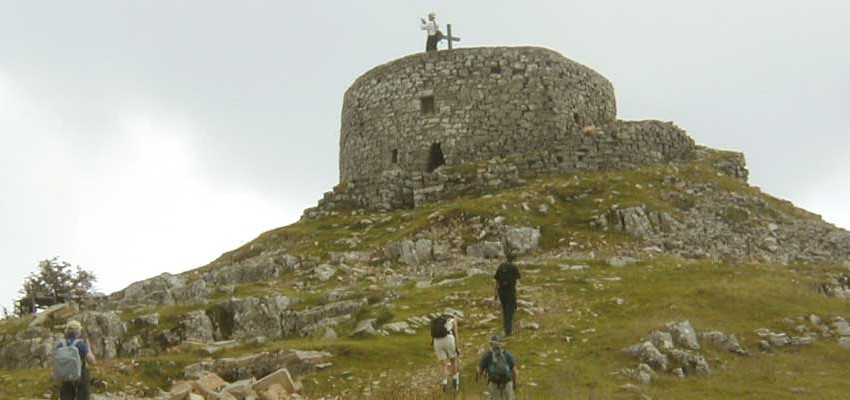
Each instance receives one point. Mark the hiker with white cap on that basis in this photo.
(434, 34)
(70, 364)
(444, 339)
(501, 369)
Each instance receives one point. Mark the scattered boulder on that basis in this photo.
(364, 328)
(487, 250)
(324, 272)
(621, 262)
(522, 240)
(722, 341)
(648, 354)
(196, 327)
(411, 253)
(661, 340)
(684, 334)
(690, 362)
(280, 377)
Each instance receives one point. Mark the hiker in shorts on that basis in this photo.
(506, 280)
(500, 367)
(444, 338)
(79, 390)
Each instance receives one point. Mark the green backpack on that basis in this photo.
(499, 371)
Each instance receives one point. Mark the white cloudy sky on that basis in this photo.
(142, 137)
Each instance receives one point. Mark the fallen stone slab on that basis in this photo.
(280, 377)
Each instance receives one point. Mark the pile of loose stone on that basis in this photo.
(278, 385)
(806, 331)
(675, 350)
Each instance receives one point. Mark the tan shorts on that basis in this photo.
(445, 347)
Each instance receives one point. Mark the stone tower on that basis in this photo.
(412, 126)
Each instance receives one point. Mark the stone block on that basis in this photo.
(211, 382)
(281, 378)
(274, 392)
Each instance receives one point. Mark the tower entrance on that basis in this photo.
(435, 157)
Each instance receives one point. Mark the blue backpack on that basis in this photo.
(67, 364)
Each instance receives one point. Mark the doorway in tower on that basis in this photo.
(435, 157)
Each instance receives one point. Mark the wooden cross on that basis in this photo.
(448, 37)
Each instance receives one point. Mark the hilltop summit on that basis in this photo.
(410, 126)
(644, 256)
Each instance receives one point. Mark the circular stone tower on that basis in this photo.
(466, 105)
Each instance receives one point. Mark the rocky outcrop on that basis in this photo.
(675, 349)
(33, 347)
(297, 362)
(522, 240)
(249, 317)
(411, 252)
(197, 327)
(104, 331)
(487, 249)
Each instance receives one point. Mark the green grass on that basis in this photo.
(576, 353)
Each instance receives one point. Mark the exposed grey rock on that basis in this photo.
(196, 327)
(648, 354)
(267, 265)
(249, 317)
(409, 252)
(396, 327)
(692, 363)
(620, 262)
(842, 328)
(522, 240)
(130, 347)
(142, 290)
(192, 292)
(486, 250)
(722, 341)
(683, 334)
(330, 334)
(103, 330)
(148, 321)
(33, 349)
(324, 272)
(661, 340)
(297, 362)
(778, 339)
(364, 328)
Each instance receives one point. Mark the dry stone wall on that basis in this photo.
(433, 126)
(468, 105)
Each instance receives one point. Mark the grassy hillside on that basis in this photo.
(585, 315)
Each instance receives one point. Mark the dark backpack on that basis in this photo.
(506, 278)
(498, 370)
(438, 327)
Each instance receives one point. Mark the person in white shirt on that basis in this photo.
(433, 32)
(444, 339)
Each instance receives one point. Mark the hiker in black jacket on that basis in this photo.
(506, 280)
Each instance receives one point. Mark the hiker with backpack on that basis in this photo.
(500, 367)
(506, 280)
(444, 339)
(70, 364)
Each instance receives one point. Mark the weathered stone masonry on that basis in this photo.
(512, 112)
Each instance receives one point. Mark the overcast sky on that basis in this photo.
(138, 137)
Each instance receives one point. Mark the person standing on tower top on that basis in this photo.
(434, 33)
